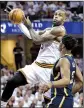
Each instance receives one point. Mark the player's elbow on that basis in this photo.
(60, 33)
(81, 84)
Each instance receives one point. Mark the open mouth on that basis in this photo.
(55, 20)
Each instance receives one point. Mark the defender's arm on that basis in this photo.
(65, 73)
(78, 81)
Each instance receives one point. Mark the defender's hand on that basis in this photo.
(46, 87)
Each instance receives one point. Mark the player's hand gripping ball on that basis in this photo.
(16, 16)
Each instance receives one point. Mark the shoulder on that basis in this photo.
(60, 30)
(61, 27)
(64, 61)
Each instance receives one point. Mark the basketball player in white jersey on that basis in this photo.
(40, 70)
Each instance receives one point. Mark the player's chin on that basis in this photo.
(57, 23)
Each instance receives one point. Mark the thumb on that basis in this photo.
(27, 17)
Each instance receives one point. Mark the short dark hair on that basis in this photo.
(69, 42)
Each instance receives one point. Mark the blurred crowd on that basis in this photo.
(23, 96)
(45, 9)
(30, 96)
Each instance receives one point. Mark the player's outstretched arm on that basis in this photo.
(47, 35)
(78, 81)
(24, 29)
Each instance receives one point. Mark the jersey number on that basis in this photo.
(72, 79)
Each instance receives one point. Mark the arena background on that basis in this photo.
(41, 14)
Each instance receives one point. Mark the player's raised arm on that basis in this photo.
(24, 29)
(46, 35)
(78, 81)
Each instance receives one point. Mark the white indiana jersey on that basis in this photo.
(49, 52)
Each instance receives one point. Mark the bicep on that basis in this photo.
(65, 68)
(47, 36)
(43, 31)
(58, 31)
(51, 34)
(78, 74)
(54, 32)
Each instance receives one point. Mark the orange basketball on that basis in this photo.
(16, 16)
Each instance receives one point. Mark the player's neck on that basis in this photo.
(66, 52)
(54, 25)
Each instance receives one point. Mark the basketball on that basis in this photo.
(16, 16)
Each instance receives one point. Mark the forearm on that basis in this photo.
(41, 32)
(24, 30)
(77, 87)
(60, 83)
(35, 36)
(31, 34)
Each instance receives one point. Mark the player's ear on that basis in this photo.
(63, 46)
(64, 19)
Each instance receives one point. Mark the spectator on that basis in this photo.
(25, 8)
(39, 98)
(5, 69)
(25, 101)
(79, 62)
(1, 66)
(81, 16)
(75, 17)
(30, 97)
(18, 5)
(18, 97)
(18, 53)
(34, 51)
(45, 7)
(68, 15)
(74, 5)
(30, 3)
(20, 103)
(5, 75)
(36, 7)
(81, 99)
(52, 6)
(11, 4)
(62, 5)
(31, 11)
(77, 102)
